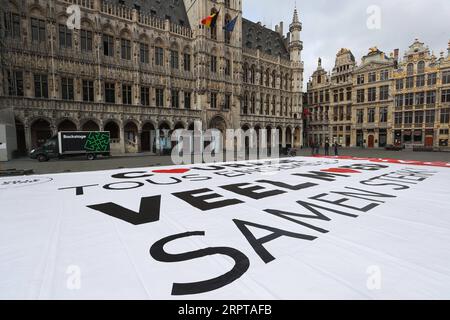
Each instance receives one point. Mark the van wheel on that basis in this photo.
(42, 158)
(91, 156)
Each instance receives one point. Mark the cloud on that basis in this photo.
(330, 25)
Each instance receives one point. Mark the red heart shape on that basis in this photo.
(340, 170)
(171, 171)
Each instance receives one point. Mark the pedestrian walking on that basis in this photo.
(336, 151)
(327, 148)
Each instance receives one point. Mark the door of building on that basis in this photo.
(429, 141)
(371, 141)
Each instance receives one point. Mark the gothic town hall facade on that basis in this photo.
(135, 67)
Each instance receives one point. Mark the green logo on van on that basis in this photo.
(97, 142)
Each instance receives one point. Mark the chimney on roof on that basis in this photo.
(396, 53)
(280, 29)
(277, 30)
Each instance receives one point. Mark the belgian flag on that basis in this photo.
(210, 21)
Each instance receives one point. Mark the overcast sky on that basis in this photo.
(329, 25)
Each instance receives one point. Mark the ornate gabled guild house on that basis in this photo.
(392, 101)
(372, 126)
(422, 98)
(330, 101)
(136, 67)
(318, 96)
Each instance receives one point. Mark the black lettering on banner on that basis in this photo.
(283, 185)
(229, 174)
(396, 180)
(257, 244)
(200, 202)
(196, 177)
(311, 207)
(325, 176)
(405, 176)
(79, 190)
(374, 183)
(238, 165)
(149, 211)
(136, 185)
(250, 191)
(132, 175)
(340, 202)
(209, 168)
(241, 264)
(364, 194)
(175, 181)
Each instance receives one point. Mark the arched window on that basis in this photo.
(252, 74)
(274, 104)
(214, 29)
(159, 53)
(227, 3)
(421, 67)
(261, 104)
(267, 78)
(245, 109)
(253, 104)
(274, 79)
(410, 69)
(227, 34)
(281, 106)
(286, 107)
(245, 71)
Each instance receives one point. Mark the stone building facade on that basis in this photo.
(372, 100)
(134, 67)
(394, 101)
(330, 101)
(422, 98)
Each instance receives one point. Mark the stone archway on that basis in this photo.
(148, 138)
(289, 138)
(67, 125)
(179, 125)
(40, 132)
(164, 141)
(90, 125)
(280, 138)
(20, 137)
(131, 137)
(219, 123)
(297, 137)
(114, 131)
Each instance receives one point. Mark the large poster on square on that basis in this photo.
(297, 228)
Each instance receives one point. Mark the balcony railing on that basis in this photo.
(94, 107)
(82, 3)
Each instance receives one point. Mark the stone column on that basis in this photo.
(122, 138)
(283, 137)
(138, 141)
(28, 142)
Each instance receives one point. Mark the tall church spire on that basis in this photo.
(295, 19)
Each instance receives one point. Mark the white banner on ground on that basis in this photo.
(299, 228)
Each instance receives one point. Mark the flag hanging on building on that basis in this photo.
(210, 21)
(230, 25)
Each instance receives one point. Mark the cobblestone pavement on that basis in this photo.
(147, 160)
